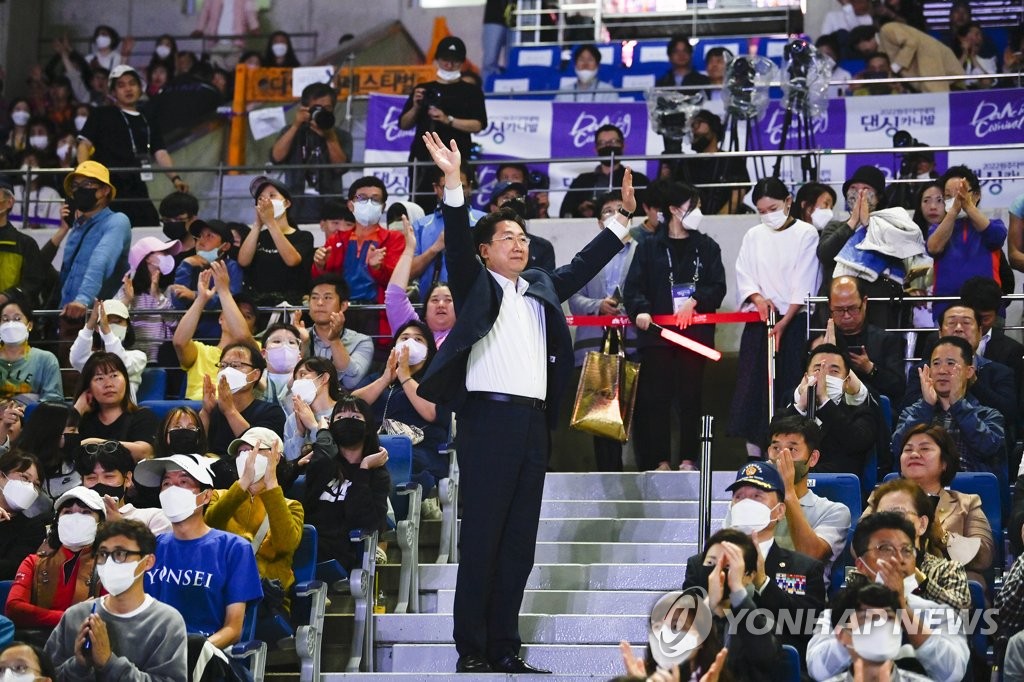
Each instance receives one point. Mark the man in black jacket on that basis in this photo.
(503, 367)
(788, 584)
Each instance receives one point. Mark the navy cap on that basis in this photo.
(762, 475)
(503, 187)
(451, 47)
(218, 227)
(257, 186)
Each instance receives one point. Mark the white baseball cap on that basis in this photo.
(150, 472)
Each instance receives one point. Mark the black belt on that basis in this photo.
(535, 403)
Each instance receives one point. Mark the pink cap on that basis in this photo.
(147, 245)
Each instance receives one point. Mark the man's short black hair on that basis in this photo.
(339, 284)
(367, 181)
(608, 127)
(521, 167)
(592, 49)
(679, 39)
(714, 122)
(829, 40)
(607, 197)
(873, 523)
(831, 348)
(792, 424)
(119, 460)
(129, 528)
(316, 91)
(961, 172)
(966, 351)
(862, 595)
(982, 294)
(964, 304)
(179, 203)
(861, 34)
(723, 52)
(738, 538)
(483, 231)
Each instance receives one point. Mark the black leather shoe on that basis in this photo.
(472, 663)
(515, 664)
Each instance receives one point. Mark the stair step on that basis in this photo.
(611, 576)
(615, 552)
(626, 509)
(436, 628)
(592, 660)
(650, 485)
(616, 530)
(612, 602)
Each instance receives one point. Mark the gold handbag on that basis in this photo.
(607, 391)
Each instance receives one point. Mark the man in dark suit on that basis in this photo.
(788, 584)
(876, 355)
(986, 297)
(503, 367)
(680, 56)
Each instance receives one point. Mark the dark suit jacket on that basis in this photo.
(886, 351)
(1004, 350)
(542, 253)
(477, 297)
(795, 582)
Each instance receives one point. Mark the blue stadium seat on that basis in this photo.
(249, 647)
(405, 500)
(161, 407)
(886, 405)
(977, 640)
(794, 667)
(844, 489)
(5, 589)
(153, 385)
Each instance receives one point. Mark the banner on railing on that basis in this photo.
(533, 129)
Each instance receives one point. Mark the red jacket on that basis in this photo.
(40, 594)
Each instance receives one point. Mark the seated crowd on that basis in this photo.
(115, 522)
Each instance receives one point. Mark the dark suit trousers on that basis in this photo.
(503, 453)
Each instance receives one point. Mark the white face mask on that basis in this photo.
(673, 654)
(368, 212)
(924, 176)
(586, 75)
(120, 331)
(237, 379)
(11, 676)
(117, 578)
(750, 516)
(163, 51)
(449, 76)
(692, 220)
(279, 49)
(834, 387)
(774, 220)
(13, 333)
(39, 141)
(820, 217)
(177, 503)
(949, 207)
(417, 350)
(962, 549)
(259, 466)
(279, 208)
(80, 122)
(103, 41)
(63, 149)
(20, 117)
(282, 359)
(878, 642)
(76, 530)
(305, 389)
(19, 495)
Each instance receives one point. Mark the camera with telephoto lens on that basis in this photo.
(902, 138)
(322, 117)
(432, 96)
(538, 180)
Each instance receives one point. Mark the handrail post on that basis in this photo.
(771, 363)
(704, 493)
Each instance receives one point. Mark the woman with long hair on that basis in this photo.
(107, 409)
(51, 434)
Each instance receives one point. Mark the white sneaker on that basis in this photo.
(430, 510)
(382, 556)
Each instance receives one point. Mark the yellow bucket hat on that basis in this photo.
(90, 169)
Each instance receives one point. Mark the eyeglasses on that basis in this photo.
(841, 311)
(232, 365)
(84, 185)
(184, 428)
(118, 555)
(890, 552)
(18, 669)
(363, 199)
(106, 448)
(521, 240)
(608, 212)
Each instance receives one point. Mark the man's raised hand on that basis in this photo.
(448, 159)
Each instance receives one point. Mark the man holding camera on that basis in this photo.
(448, 106)
(313, 139)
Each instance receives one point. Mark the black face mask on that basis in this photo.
(700, 143)
(174, 229)
(115, 491)
(183, 442)
(72, 441)
(84, 199)
(348, 431)
(608, 151)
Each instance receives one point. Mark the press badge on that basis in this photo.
(682, 293)
(146, 174)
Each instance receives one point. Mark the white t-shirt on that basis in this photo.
(781, 265)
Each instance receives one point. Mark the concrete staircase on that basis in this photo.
(609, 546)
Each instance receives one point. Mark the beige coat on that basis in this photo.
(918, 54)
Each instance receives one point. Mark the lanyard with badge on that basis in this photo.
(683, 291)
(145, 158)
